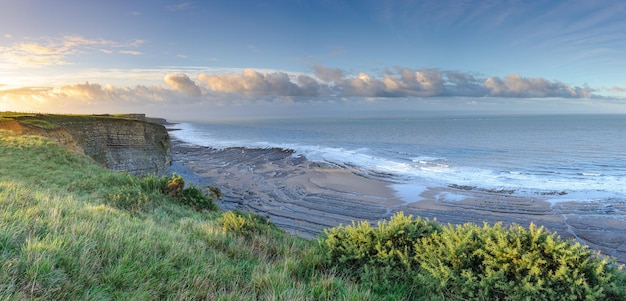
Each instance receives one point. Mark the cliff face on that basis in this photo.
(135, 146)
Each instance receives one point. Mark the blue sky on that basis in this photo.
(209, 59)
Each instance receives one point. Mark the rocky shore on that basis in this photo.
(305, 197)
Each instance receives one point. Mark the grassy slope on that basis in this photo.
(62, 237)
(59, 239)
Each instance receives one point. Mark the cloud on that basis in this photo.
(328, 74)
(182, 82)
(325, 83)
(57, 50)
(618, 89)
(180, 6)
(405, 82)
(130, 52)
(191, 91)
(254, 83)
(516, 86)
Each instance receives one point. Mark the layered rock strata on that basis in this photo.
(305, 197)
(121, 144)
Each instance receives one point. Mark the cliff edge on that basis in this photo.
(129, 143)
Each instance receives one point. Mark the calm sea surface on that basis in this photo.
(583, 156)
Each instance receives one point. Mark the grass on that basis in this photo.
(51, 121)
(60, 240)
(71, 230)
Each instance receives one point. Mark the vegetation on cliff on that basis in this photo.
(71, 230)
(122, 142)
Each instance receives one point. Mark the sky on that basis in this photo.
(210, 59)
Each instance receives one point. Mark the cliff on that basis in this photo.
(117, 142)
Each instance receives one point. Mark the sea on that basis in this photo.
(554, 157)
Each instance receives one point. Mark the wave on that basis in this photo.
(429, 170)
(590, 174)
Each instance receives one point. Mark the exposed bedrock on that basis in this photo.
(120, 144)
(305, 197)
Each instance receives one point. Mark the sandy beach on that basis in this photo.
(305, 197)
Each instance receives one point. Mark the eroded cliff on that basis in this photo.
(117, 142)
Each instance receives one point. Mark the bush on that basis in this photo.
(381, 257)
(174, 185)
(135, 194)
(196, 198)
(245, 223)
(150, 183)
(417, 257)
(132, 199)
(495, 263)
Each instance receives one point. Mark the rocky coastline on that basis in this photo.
(304, 197)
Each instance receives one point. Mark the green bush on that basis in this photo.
(174, 185)
(496, 263)
(245, 223)
(381, 257)
(197, 199)
(151, 182)
(132, 199)
(416, 257)
(137, 193)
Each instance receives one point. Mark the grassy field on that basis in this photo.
(70, 230)
(63, 238)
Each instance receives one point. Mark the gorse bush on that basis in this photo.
(470, 262)
(196, 198)
(379, 257)
(497, 263)
(174, 185)
(138, 194)
(245, 224)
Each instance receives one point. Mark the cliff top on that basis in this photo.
(123, 142)
(50, 121)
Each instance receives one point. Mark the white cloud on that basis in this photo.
(182, 82)
(130, 52)
(516, 86)
(618, 89)
(328, 74)
(254, 83)
(180, 6)
(403, 82)
(58, 50)
(192, 90)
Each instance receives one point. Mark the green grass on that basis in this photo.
(50, 121)
(70, 230)
(60, 239)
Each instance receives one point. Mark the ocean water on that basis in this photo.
(558, 157)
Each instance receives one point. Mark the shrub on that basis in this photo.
(495, 263)
(151, 182)
(132, 199)
(407, 256)
(135, 194)
(196, 198)
(174, 185)
(212, 190)
(245, 223)
(381, 257)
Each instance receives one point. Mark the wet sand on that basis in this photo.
(305, 197)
